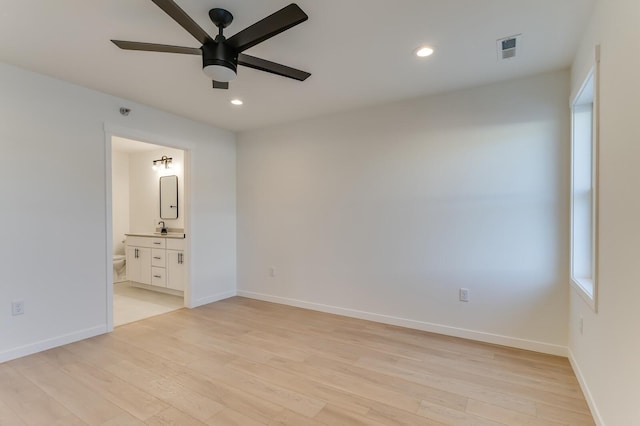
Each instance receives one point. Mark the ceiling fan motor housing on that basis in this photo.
(216, 55)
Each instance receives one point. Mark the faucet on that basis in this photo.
(163, 231)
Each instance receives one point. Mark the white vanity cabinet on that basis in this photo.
(156, 261)
(139, 264)
(176, 271)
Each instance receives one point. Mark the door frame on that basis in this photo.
(109, 132)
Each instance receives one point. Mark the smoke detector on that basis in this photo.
(508, 46)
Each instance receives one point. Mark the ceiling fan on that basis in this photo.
(221, 56)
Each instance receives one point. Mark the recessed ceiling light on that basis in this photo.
(237, 102)
(424, 51)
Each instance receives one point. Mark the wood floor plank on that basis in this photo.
(140, 404)
(447, 416)
(374, 410)
(561, 415)
(32, 405)
(547, 394)
(247, 362)
(167, 389)
(8, 416)
(303, 385)
(290, 418)
(350, 384)
(173, 417)
(455, 391)
(291, 400)
(391, 416)
(390, 381)
(331, 415)
(506, 416)
(67, 390)
(231, 417)
(232, 398)
(125, 419)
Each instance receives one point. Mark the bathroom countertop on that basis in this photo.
(175, 235)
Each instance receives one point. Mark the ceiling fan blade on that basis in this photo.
(220, 85)
(180, 16)
(272, 67)
(151, 47)
(270, 26)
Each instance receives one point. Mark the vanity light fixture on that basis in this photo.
(166, 161)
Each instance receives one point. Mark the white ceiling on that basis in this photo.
(359, 51)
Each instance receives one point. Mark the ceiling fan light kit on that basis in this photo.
(221, 56)
(219, 62)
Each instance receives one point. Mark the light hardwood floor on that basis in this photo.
(245, 362)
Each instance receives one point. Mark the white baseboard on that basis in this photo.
(53, 342)
(585, 389)
(214, 298)
(497, 339)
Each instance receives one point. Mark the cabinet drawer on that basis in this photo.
(158, 242)
(158, 258)
(138, 241)
(158, 277)
(176, 243)
(146, 242)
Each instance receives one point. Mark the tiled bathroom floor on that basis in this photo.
(133, 304)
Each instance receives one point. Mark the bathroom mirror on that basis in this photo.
(169, 197)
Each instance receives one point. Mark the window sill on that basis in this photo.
(585, 289)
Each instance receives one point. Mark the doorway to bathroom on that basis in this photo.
(148, 229)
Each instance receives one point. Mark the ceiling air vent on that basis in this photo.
(508, 47)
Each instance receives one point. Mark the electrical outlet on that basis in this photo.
(464, 294)
(272, 271)
(17, 307)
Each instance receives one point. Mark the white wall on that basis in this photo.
(384, 213)
(53, 185)
(120, 199)
(606, 354)
(145, 191)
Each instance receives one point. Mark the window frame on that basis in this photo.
(581, 285)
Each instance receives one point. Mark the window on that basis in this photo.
(583, 190)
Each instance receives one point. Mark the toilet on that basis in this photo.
(119, 269)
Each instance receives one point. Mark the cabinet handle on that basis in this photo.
(180, 258)
(157, 276)
(156, 257)
(136, 253)
(158, 243)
